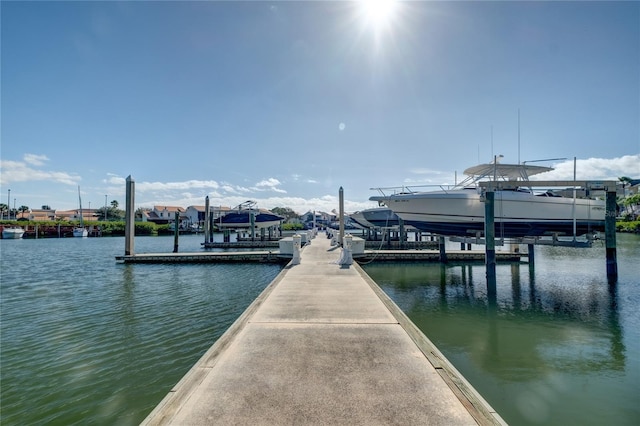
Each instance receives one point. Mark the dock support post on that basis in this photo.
(610, 235)
(176, 232)
(207, 213)
(252, 222)
(490, 238)
(341, 200)
(443, 251)
(403, 233)
(129, 216)
(531, 254)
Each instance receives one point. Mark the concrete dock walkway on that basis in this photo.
(323, 345)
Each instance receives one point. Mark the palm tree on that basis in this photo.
(3, 208)
(23, 209)
(624, 180)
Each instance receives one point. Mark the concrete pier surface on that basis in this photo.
(323, 345)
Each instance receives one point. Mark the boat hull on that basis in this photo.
(517, 213)
(80, 232)
(12, 233)
(236, 220)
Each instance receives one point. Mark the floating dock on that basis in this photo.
(207, 257)
(434, 256)
(274, 256)
(323, 345)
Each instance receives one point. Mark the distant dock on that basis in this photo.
(206, 257)
(323, 345)
(274, 256)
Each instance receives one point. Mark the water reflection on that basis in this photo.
(518, 332)
(553, 344)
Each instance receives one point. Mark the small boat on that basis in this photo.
(359, 220)
(80, 231)
(246, 215)
(519, 212)
(12, 233)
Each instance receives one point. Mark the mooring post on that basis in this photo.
(403, 233)
(443, 251)
(531, 254)
(206, 219)
(129, 216)
(211, 227)
(341, 200)
(252, 220)
(490, 239)
(610, 234)
(176, 232)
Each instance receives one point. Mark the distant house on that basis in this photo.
(142, 215)
(42, 214)
(163, 215)
(321, 218)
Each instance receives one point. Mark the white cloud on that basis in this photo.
(595, 169)
(35, 160)
(173, 186)
(270, 184)
(17, 171)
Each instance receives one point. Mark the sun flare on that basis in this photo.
(378, 13)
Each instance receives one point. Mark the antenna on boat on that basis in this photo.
(491, 142)
(518, 135)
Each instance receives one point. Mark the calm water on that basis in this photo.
(557, 345)
(86, 340)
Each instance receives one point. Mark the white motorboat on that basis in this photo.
(519, 212)
(246, 215)
(378, 217)
(12, 232)
(359, 220)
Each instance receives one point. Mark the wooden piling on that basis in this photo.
(129, 217)
(207, 213)
(610, 235)
(443, 251)
(176, 232)
(341, 212)
(490, 236)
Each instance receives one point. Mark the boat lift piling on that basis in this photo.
(129, 216)
(207, 213)
(443, 251)
(490, 237)
(341, 212)
(176, 232)
(610, 234)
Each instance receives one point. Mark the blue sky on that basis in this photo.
(284, 102)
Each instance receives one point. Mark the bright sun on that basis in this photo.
(378, 13)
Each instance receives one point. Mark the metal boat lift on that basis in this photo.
(609, 187)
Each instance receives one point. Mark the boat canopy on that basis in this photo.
(505, 171)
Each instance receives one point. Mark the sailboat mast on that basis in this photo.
(80, 204)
